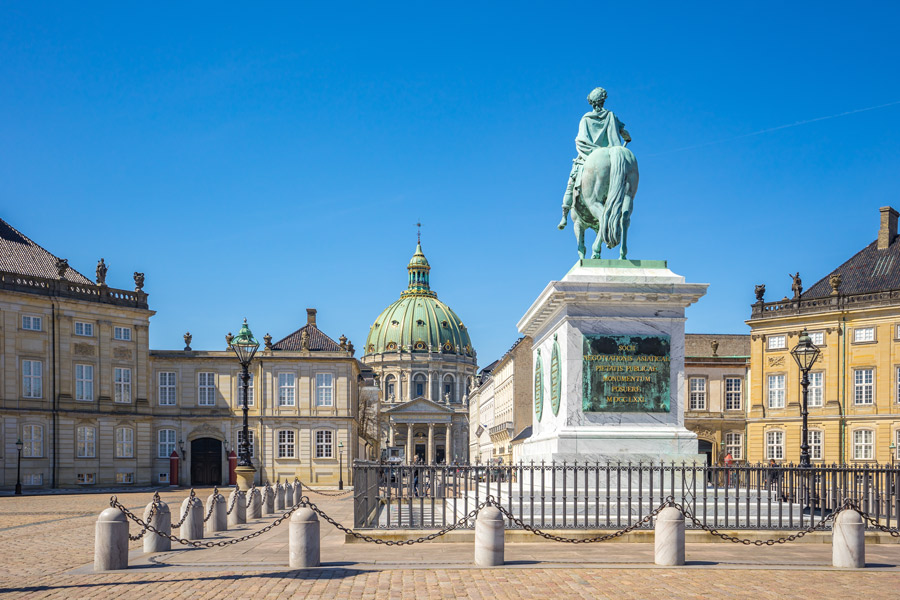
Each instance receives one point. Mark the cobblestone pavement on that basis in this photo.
(46, 547)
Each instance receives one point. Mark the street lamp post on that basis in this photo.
(805, 353)
(245, 347)
(19, 445)
(340, 465)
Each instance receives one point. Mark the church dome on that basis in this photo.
(418, 321)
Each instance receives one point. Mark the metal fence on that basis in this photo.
(615, 495)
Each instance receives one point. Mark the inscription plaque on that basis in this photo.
(626, 373)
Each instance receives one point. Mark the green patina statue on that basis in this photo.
(603, 181)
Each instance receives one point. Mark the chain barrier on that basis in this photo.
(328, 494)
(217, 497)
(233, 501)
(153, 507)
(193, 498)
(893, 531)
(250, 495)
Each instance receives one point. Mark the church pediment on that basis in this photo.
(419, 405)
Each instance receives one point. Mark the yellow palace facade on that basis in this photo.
(853, 316)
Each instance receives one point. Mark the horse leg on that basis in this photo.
(626, 221)
(598, 244)
(579, 235)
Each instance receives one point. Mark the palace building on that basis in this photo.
(853, 316)
(93, 405)
(424, 360)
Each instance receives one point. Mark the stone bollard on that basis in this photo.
(270, 500)
(192, 527)
(288, 495)
(218, 520)
(162, 520)
(238, 514)
(669, 537)
(111, 541)
(279, 497)
(254, 510)
(848, 541)
(298, 492)
(489, 537)
(304, 539)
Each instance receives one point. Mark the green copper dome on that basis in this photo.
(418, 321)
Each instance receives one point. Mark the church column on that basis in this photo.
(430, 456)
(409, 386)
(410, 445)
(458, 388)
(430, 394)
(448, 451)
(392, 432)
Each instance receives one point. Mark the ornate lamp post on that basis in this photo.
(340, 465)
(245, 347)
(19, 445)
(805, 353)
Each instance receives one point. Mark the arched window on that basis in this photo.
(419, 385)
(390, 388)
(449, 390)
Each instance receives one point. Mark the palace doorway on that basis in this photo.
(206, 462)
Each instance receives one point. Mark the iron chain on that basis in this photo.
(233, 501)
(192, 499)
(331, 495)
(155, 504)
(250, 495)
(217, 497)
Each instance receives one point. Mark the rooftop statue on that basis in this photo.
(603, 180)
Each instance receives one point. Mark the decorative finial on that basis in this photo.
(418, 232)
(268, 340)
(101, 272)
(62, 265)
(138, 282)
(187, 341)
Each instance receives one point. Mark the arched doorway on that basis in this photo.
(206, 461)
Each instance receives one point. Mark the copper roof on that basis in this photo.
(20, 255)
(318, 341)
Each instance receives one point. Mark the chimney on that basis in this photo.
(311, 312)
(888, 230)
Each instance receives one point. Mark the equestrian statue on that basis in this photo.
(603, 181)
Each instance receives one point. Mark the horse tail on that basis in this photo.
(611, 224)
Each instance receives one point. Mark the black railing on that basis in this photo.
(615, 495)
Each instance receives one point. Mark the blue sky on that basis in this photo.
(257, 160)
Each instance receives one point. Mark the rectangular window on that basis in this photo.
(324, 389)
(733, 393)
(816, 389)
(774, 445)
(84, 479)
(324, 447)
(285, 443)
(776, 342)
(864, 386)
(420, 389)
(863, 444)
(163, 478)
(125, 442)
(864, 334)
(85, 329)
(286, 389)
(240, 440)
(33, 479)
(32, 371)
(166, 439)
(897, 445)
(84, 382)
(86, 442)
(33, 440)
(122, 333)
(167, 388)
(815, 444)
(817, 338)
(734, 444)
(122, 385)
(124, 478)
(206, 389)
(31, 323)
(776, 391)
(240, 391)
(697, 393)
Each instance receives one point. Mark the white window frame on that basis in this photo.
(32, 323)
(32, 384)
(862, 335)
(85, 441)
(817, 335)
(775, 393)
(864, 387)
(897, 444)
(287, 389)
(863, 449)
(33, 440)
(162, 477)
(206, 388)
(123, 334)
(84, 383)
(324, 389)
(287, 443)
(84, 329)
(85, 478)
(251, 397)
(449, 382)
(816, 444)
(816, 390)
(390, 389)
(734, 394)
(32, 479)
(697, 393)
(124, 478)
(165, 447)
(775, 444)
(167, 388)
(776, 342)
(324, 443)
(124, 442)
(734, 443)
(122, 385)
(239, 438)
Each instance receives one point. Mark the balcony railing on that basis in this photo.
(64, 288)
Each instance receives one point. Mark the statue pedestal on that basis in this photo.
(245, 477)
(609, 365)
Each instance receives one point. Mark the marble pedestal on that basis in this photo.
(608, 298)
